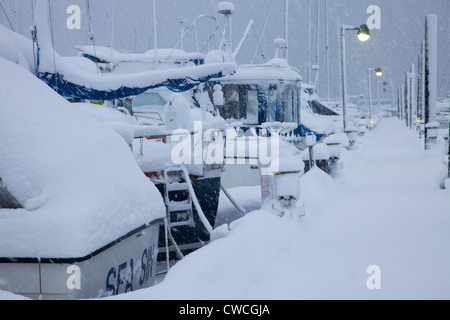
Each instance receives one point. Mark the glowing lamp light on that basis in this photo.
(379, 72)
(363, 33)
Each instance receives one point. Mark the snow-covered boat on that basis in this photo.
(315, 105)
(261, 96)
(77, 219)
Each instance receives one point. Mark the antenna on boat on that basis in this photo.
(281, 48)
(226, 8)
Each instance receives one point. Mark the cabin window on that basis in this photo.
(148, 99)
(241, 103)
(272, 112)
(288, 105)
(252, 106)
(232, 108)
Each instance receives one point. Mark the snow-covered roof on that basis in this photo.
(76, 178)
(166, 54)
(276, 69)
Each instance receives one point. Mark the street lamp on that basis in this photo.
(379, 73)
(363, 35)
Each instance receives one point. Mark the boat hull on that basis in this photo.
(125, 265)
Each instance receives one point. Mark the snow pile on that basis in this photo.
(320, 151)
(16, 48)
(76, 178)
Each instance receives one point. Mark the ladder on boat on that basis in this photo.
(178, 197)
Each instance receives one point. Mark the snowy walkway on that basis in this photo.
(386, 210)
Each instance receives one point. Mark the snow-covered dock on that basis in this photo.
(383, 222)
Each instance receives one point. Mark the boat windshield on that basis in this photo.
(148, 99)
(241, 103)
(253, 105)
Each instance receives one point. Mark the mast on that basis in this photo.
(112, 28)
(327, 51)
(317, 47)
(286, 27)
(155, 38)
(309, 41)
(339, 65)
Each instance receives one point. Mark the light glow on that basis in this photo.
(363, 33)
(379, 72)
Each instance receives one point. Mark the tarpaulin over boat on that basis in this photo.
(79, 77)
(77, 84)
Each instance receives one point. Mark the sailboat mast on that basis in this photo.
(327, 51)
(309, 41)
(286, 27)
(155, 37)
(317, 47)
(112, 28)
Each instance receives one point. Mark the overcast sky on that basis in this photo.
(394, 47)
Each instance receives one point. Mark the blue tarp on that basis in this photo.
(71, 90)
(305, 131)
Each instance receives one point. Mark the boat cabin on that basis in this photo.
(259, 94)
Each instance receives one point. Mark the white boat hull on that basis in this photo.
(125, 265)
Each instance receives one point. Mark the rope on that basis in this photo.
(174, 244)
(35, 41)
(7, 18)
(35, 50)
(215, 15)
(264, 29)
(53, 40)
(235, 204)
(166, 227)
(202, 216)
(91, 32)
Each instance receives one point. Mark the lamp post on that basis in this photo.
(379, 73)
(363, 35)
